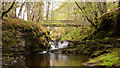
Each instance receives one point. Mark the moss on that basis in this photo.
(15, 30)
(106, 26)
(108, 59)
(37, 50)
(77, 34)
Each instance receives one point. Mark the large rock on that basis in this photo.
(23, 36)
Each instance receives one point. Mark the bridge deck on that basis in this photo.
(60, 23)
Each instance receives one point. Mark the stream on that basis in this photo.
(58, 45)
(49, 59)
(53, 59)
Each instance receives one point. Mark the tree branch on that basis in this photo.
(6, 11)
(109, 12)
(86, 15)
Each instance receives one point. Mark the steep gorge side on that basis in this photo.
(23, 36)
(108, 25)
(102, 44)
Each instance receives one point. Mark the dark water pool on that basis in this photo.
(52, 59)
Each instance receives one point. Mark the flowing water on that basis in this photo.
(58, 45)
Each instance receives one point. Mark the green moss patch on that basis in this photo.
(109, 59)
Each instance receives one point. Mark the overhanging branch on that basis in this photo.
(6, 11)
(92, 23)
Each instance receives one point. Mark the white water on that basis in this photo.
(42, 52)
(57, 45)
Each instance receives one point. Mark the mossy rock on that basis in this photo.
(33, 35)
(109, 59)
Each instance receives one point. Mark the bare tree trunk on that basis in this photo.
(20, 11)
(92, 23)
(15, 12)
(3, 6)
(33, 17)
(47, 13)
(33, 12)
(6, 11)
(102, 7)
(28, 11)
(39, 13)
(51, 12)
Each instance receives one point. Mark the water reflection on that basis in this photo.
(52, 59)
(57, 59)
(37, 60)
(67, 59)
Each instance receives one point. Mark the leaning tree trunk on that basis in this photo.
(89, 20)
(6, 11)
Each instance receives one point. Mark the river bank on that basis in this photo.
(100, 51)
(46, 60)
(25, 38)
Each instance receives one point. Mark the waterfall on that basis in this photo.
(57, 45)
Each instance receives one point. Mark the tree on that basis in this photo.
(117, 22)
(102, 7)
(92, 23)
(47, 10)
(40, 9)
(20, 11)
(3, 6)
(34, 11)
(28, 11)
(6, 11)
